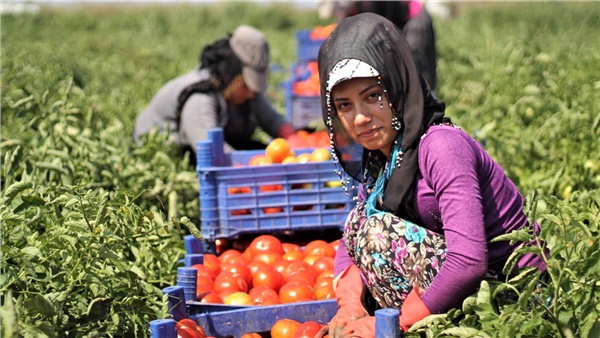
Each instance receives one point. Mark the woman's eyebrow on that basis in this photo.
(368, 88)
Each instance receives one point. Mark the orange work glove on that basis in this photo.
(364, 328)
(413, 309)
(348, 292)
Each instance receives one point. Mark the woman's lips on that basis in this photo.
(368, 133)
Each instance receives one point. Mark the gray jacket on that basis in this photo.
(204, 111)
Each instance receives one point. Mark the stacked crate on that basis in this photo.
(232, 204)
(302, 90)
(307, 198)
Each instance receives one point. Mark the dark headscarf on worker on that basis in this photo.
(376, 41)
(245, 52)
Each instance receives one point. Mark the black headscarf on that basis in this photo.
(373, 39)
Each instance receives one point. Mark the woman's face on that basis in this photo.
(366, 118)
(239, 93)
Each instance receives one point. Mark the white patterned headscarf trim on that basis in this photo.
(348, 69)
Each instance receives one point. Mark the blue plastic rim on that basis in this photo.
(193, 245)
(192, 259)
(187, 278)
(163, 328)
(176, 301)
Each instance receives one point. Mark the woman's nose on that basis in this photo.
(362, 116)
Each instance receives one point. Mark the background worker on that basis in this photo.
(411, 17)
(226, 90)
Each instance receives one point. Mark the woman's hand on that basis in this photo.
(348, 292)
(413, 309)
(364, 328)
(344, 326)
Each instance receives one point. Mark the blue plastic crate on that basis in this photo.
(303, 111)
(308, 199)
(229, 321)
(307, 49)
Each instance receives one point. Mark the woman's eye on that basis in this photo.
(342, 106)
(373, 96)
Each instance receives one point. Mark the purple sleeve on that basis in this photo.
(449, 163)
(342, 259)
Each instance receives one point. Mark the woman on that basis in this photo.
(226, 90)
(431, 198)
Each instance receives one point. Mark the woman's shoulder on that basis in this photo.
(446, 143)
(443, 133)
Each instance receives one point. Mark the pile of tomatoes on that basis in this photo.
(268, 272)
(281, 150)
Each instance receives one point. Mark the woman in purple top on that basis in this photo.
(431, 199)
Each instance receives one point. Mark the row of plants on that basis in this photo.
(93, 223)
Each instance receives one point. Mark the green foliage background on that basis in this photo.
(92, 224)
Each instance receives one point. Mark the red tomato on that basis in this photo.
(231, 256)
(268, 276)
(226, 280)
(238, 298)
(225, 293)
(325, 292)
(296, 292)
(262, 290)
(251, 335)
(264, 295)
(289, 247)
(319, 248)
(297, 266)
(239, 190)
(266, 300)
(255, 265)
(187, 328)
(293, 256)
(323, 264)
(239, 270)
(303, 277)
(335, 244)
(272, 210)
(323, 281)
(265, 243)
(211, 298)
(307, 329)
(240, 212)
(247, 254)
(212, 262)
(284, 328)
(204, 271)
(325, 274)
(311, 244)
(310, 259)
(279, 266)
(268, 258)
(203, 286)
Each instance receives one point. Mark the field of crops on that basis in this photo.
(93, 224)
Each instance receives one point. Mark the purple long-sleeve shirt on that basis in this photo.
(463, 194)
